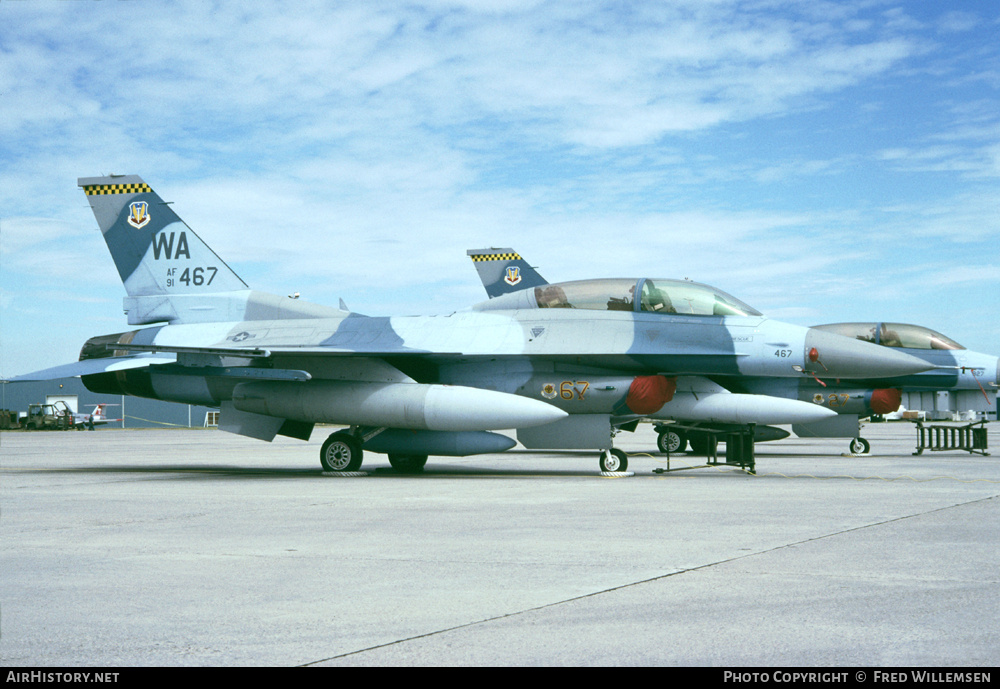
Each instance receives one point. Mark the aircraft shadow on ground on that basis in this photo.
(192, 472)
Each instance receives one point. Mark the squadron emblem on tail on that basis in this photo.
(138, 214)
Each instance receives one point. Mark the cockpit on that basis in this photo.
(619, 294)
(893, 335)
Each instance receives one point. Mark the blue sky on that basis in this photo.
(821, 161)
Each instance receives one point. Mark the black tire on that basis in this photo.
(671, 441)
(613, 460)
(408, 464)
(341, 452)
(859, 446)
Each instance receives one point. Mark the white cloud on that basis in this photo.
(785, 150)
(588, 75)
(957, 22)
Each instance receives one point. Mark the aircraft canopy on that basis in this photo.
(893, 335)
(656, 295)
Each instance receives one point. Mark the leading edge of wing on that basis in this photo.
(271, 350)
(263, 353)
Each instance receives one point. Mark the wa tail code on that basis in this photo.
(163, 243)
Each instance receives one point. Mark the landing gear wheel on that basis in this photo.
(408, 464)
(614, 460)
(671, 441)
(341, 452)
(860, 446)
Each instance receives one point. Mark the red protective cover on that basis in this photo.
(647, 394)
(886, 400)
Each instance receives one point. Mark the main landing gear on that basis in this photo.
(671, 441)
(341, 452)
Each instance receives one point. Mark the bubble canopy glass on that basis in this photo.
(656, 295)
(893, 335)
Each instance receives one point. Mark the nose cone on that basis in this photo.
(843, 357)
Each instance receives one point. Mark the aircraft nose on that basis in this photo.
(835, 355)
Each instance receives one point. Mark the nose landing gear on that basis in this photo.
(613, 460)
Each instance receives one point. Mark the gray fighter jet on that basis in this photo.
(566, 365)
(961, 381)
(968, 378)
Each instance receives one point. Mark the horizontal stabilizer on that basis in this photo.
(92, 367)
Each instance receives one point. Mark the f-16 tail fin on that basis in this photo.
(503, 271)
(155, 252)
(169, 273)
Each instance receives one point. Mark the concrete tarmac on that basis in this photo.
(196, 547)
